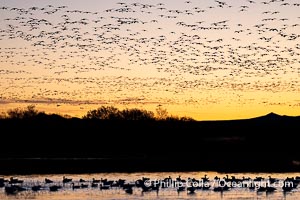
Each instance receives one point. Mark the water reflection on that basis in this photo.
(177, 185)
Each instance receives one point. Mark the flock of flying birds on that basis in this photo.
(145, 53)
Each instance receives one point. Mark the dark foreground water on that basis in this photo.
(107, 186)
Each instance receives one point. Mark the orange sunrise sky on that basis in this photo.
(204, 59)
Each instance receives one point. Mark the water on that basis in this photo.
(91, 193)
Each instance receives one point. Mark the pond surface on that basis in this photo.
(109, 186)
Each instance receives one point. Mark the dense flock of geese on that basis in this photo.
(139, 52)
(13, 185)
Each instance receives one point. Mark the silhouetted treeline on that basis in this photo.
(267, 143)
(102, 113)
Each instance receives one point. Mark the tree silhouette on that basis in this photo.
(176, 118)
(104, 113)
(3, 115)
(137, 114)
(112, 113)
(161, 113)
(19, 113)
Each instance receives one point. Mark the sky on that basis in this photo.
(209, 60)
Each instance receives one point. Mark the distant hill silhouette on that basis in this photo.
(148, 145)
(274, 116)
